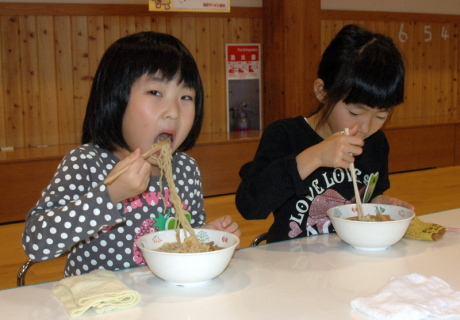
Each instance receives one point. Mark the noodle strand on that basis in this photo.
(190, 244)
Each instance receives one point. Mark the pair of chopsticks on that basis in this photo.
(148, 154)
(359, 206)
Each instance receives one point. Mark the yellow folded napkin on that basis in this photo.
(420, 230)
(99, 289)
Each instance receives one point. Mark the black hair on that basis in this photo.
(361, 67)
(122, 64)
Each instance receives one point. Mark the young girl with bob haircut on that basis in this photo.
(147, 88)
(301, 167)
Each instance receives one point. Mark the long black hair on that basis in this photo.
(122, 64)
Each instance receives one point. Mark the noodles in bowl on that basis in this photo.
(370, 235)
(188, 269)
(178, 247)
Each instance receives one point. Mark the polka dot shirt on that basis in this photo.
(76, 216)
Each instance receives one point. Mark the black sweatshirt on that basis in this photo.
(271, 182)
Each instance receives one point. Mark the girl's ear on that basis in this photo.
(318, 87)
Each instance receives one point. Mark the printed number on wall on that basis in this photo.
(444, 33)
(403, 36)
(427, 31)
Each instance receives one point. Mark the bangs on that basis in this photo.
(375, 94)
(170, 65)
(373, 83)
(168, 60)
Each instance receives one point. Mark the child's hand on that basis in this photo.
(393, 201)
(224, 223)
(336, 151)
(133, 181)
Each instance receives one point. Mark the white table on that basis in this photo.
(308, 278)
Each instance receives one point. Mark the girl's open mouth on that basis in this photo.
(163, 136)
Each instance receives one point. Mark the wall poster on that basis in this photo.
(243, 71)
(190, 5)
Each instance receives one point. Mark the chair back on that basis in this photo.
(257, 240)
(20, 281)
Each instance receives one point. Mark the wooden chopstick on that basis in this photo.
(359, 206)
(148, 154)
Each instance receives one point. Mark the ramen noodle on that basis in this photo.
(372, 218)
(190, 243)
(177, 247)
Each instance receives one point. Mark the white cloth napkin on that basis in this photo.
(411, 297)
(99, 289)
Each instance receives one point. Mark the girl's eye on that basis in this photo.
(187, 98)
(354, 114)
(155, 93)
(382, 116)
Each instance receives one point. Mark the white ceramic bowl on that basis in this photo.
(370, 235)
(188, 269)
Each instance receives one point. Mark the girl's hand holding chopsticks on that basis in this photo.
(155, 148)
(131, 176)
(133, 180)
(336, 151)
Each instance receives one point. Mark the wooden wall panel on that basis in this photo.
(67, 128)
(29, 78)
(159, 24)
(46, 72)
(12, 90)
(291, 53)
(96, 45)
(80, 71)
(2, 96)
(203, 61)
(217, 40)
(48, 102)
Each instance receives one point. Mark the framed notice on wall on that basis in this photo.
(190, 5)
(243, 70)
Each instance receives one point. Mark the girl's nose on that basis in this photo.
(365, 126)
(172, 111)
